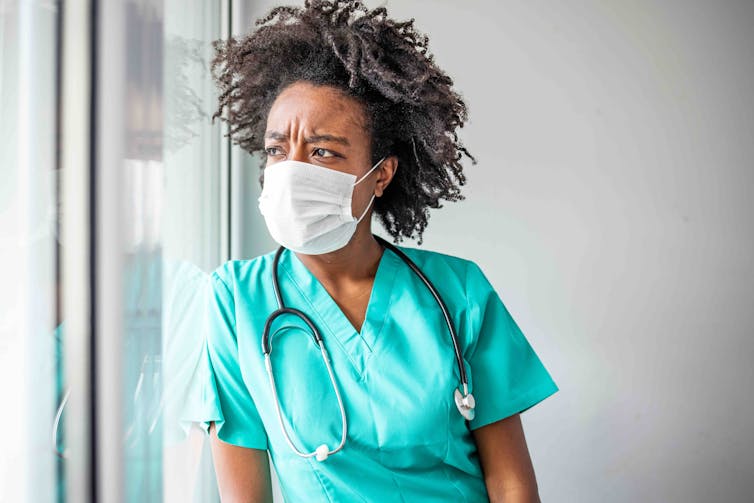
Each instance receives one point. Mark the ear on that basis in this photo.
(387, 172)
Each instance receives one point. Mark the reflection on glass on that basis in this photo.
(170, 229)
(30, 328)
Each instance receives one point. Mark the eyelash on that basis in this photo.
(332, 154)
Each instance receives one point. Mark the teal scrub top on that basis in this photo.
(406, 440)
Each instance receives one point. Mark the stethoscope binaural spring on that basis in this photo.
(463, 399)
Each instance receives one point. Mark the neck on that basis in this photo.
(356, 261)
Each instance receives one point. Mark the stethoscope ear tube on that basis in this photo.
(464, 400)
(322, 451)
(440, 302)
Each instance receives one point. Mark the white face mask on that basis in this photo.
(307, 207)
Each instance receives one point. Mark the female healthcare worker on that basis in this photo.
(366, 397)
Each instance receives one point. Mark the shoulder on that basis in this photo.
(233, 273)
(464, 272)
(433, 258)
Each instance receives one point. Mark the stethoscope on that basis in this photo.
(464, 400)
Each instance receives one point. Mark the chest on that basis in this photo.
(353, 301)
(392, 363)
(398, 407)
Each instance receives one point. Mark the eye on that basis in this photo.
(316, 150)
(269, 149)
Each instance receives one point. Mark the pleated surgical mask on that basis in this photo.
(307, 208)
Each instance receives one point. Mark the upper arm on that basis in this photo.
(505, 461)
(237, 434)
(236, 417)
(507, 378)
(243, 474)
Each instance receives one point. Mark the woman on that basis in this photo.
(355, 118)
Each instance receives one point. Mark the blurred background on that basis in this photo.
(611, 208)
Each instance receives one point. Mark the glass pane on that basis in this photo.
(30, 330)
(169, 238)
(191, 233)
(171, 229)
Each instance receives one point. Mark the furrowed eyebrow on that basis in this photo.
(276, 135)
(327, 137)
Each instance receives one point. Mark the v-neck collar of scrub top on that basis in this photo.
(330, 318)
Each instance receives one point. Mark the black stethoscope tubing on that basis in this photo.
(318, 337)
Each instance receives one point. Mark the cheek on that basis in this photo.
(361, 199)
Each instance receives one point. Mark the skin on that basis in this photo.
(243, 475)
(301, 111)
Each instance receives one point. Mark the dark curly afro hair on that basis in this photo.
(411, 110)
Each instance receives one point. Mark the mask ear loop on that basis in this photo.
(367, 173)
(362, 178)
(365, 211)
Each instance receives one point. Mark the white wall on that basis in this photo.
(611, 210)
(615, 145)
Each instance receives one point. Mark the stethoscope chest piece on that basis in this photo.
(465, 404)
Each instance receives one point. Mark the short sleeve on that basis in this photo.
(507, 376)
(225, 398)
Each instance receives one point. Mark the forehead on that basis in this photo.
(310, 106)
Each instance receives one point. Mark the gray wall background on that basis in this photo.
(611, 208)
